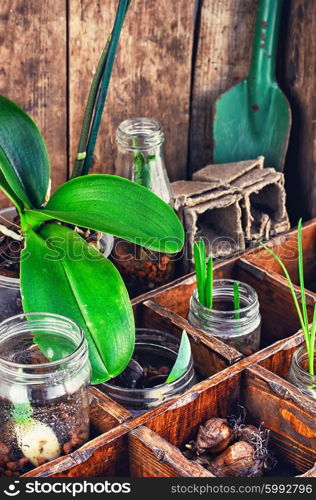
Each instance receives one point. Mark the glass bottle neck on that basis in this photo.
(139, 134)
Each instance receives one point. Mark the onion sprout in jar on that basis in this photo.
(224, 308)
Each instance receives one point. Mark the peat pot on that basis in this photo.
(239, 329)
(44, 379)
(156, 352)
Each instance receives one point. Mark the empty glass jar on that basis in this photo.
(299, 374)
(238, 328)
(44, 377)
(158, 350)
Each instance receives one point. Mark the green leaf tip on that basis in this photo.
(183, 359)
(204, 274)
(236, 299)
(23, 155)
(22, 413)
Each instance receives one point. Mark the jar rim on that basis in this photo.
(230, 283)
(302, 351)
(147, 128)
(16, 367)
(127, 390)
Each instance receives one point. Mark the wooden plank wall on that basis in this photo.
(174, 59)
(33, 70)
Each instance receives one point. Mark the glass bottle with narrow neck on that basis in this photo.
(140, 158)
(140, 155)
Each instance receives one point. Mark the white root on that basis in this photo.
(10, 233)
(37, 441)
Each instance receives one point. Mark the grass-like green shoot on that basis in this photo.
(236, 300)
(309, 331)
(204, 278)
(142, 167)
(183, 359)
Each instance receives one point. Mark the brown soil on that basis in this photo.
(142, 270)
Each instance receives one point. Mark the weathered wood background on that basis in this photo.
(174, 59)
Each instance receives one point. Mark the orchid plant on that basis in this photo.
(60, 272)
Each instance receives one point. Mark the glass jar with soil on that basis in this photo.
(240, 328)
(299, 373)
(140, 158)
(11, 245)
(142, 386)
(44, 403)
(10, 249)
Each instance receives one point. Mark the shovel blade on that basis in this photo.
(251, 122)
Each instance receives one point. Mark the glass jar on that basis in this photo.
(44, 377)
(299, 375)
(140, 158)
(141, 269)
(242, 332)
(154, 347)
(10, 296)
(140, 155)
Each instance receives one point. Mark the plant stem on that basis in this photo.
(84, 136)
(209, 284)
(301, 271)
(311, 360)
(236, 299)
(200, 270)
(104, 85)
(298, 309)
(97, 96)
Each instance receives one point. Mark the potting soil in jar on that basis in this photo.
(142, 270)
(44, 406)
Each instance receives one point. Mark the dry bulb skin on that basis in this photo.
(214, 436)
(237, 460)
(230, 448)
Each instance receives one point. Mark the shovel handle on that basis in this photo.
(265, 41)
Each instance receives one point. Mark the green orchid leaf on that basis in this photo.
(74, 280)
(117, 206)
(183, 359)
(8, 191)
(23, 156)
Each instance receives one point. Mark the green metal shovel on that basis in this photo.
(254, 117)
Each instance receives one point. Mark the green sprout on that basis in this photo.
(204, 274)
(236, 299)
(308, 330)
(183, 359)
(142, 167)
(204, 278)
